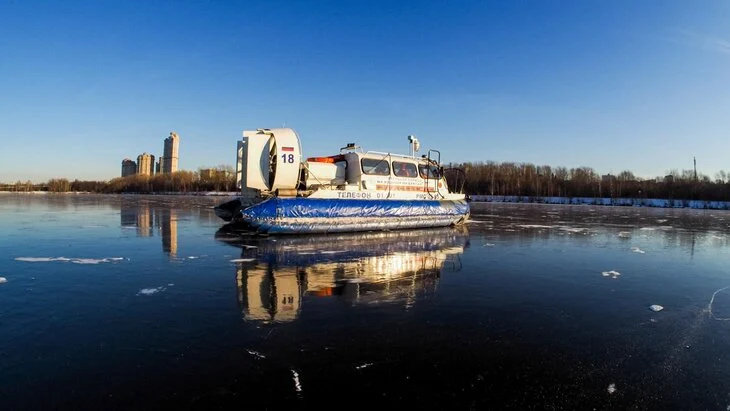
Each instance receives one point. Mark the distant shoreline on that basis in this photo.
(595, 201)
(598, 201)
(170, 193)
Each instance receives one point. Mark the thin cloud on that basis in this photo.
(703, 41)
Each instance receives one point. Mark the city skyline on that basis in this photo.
(146, 165)
(639, 86)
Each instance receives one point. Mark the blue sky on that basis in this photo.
(639, 85)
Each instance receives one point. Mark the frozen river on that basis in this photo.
(148, 302)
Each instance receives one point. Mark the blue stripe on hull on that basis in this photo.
(304, 215)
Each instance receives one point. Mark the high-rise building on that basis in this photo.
(168, 162)
(146, 164)
(129, 167)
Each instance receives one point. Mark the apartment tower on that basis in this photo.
(146, 164)
(129, 167)
(168, 162)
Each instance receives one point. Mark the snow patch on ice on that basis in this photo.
(656, 307)
(624, 234)
(72, 260)
(3, 280)
(611, 388)
(360, 367)
(256, 354)
(41, 259)
(613, 274)
(94, 260)
(242, 260)
(654, 228)
(297, 383)
(151, 291)
(534, 226)
(574, 229)
(638, 250)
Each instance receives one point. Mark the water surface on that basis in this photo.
(144, 302)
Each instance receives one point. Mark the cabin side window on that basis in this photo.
(428, 171)
(374, 166)
(401, 169)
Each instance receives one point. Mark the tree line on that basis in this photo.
(525, 179)
(219, 179)
(481, 178)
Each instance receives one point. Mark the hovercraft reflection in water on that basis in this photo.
(377, 267)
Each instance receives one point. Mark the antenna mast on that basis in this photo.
(415, 145)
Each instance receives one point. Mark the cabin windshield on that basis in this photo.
(428, 171)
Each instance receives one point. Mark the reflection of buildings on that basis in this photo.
(146, 218)
(167, 220)
(144, 221)
(394, 267)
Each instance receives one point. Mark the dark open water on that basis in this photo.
(146, 303)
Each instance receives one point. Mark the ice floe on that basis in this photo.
(611, 388)
(242, 260)
(613, 274)
(638, 250)
(66, 260)
(360, 367)
(3, 280)
(624, 234)
(656, 307)
(489, 245)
